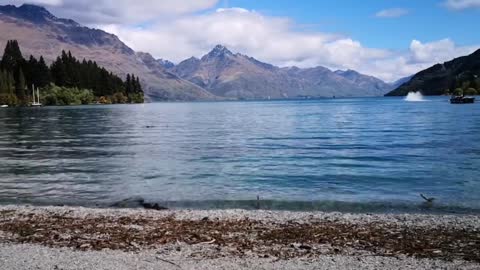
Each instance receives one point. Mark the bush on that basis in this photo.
(55, 95)
(119, 98)
(104, 100)
(471, 92)
(458, 92)
(136, 98)
(50, 100)
(8, 99)
(86, 97)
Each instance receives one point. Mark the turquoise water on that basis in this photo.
(362, 154)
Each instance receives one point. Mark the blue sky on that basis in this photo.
(387, 39)
(427, 20)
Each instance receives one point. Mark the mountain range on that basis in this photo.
(220, 74)
(234, 75)
(462, 72)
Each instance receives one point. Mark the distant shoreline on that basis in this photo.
(278, 235)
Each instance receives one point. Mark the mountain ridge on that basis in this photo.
(234, 75)
(41, 33)
(461, 72)
(217, 75)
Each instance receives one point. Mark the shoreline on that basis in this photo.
(450, 241)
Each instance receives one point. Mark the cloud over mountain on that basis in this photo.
(179, 29)
(276, 40)
(118, 11)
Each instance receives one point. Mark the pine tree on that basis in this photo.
(139, 85)
(10, 83)
(20, 85)
(134, 84)
(66, 71)
(30, 70)
(12, 57)
(43, 73)
(3, 83)
(59, 72)
(128, 84)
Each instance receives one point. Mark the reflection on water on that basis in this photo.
(328, 154)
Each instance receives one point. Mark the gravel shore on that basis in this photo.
(84, 238)
(16, 257)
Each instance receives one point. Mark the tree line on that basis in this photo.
(66, 81)
(468, 88)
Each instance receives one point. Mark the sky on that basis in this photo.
(387, 39)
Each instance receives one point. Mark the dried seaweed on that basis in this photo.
(238, 237)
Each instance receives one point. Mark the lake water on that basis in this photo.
(362, 154)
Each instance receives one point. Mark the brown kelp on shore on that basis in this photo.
(240, 236)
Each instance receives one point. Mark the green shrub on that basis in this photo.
(470, 92)
(136, 98)
(8, 99)
(458, 92)
(119, 98)
(56, 95)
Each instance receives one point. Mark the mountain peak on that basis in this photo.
(219, 50)
(33, 8)
(35, 14)
(27, 11)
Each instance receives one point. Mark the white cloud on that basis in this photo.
(462, 4)
(176, 30)
(36, 2)
(119, 11)
(392, 13)
(437, 51)
(276, 40)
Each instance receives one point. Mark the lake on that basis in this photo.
(354, 155)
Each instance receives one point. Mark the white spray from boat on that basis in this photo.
(414, 97)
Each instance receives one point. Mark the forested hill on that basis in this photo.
(461, 75)
(67, 81)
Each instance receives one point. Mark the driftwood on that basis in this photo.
(428, 200)
(170, 262)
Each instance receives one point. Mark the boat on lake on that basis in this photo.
(3, 106)
(462, 100)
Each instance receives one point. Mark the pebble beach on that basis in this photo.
(94, 238)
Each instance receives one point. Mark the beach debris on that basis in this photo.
(305, 247)
(85, 246)
(129, 202)
(428, 200)
(138, 202)
(154, 206)
(170, 262)
(207, 242)
(301, 246)
(240, 236)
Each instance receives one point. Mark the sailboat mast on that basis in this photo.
(38, 95)
(33, 92)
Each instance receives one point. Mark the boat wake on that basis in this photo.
(414, 97)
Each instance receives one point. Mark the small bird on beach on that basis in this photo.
(428, 200)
